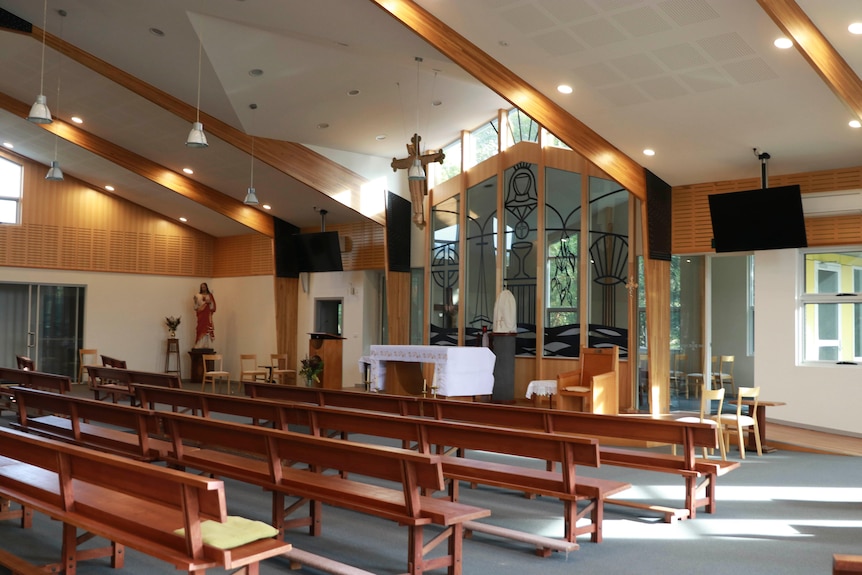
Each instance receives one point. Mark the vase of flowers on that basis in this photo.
(173, 323)
(311, 370)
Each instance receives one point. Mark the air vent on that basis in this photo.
(824, 204)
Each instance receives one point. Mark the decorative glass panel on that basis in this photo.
(562, 233)
(519, 268)
(481, 263)
(609, 255)
(444, 272)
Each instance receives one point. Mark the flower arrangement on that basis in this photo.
(173, 322)
(311, 368)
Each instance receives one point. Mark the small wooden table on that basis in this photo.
(542, 388)
(760, 415)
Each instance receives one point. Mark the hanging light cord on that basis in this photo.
(62, 14)
(44, 25)
(198, 103)
(253, 108)
(418, 64)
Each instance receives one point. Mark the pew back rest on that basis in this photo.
(387, 403)
(82, 408)
(37, 379)
(101, 489)
(206, 404)
(386, 463)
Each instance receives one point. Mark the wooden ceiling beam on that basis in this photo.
(292, 159)
(519, 93)
(195, 191)
(817, 51)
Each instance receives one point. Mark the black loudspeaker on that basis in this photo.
(10, 21)
(286, 260)
(658, 217)
(398, 220)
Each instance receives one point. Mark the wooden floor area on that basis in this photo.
(798, 439)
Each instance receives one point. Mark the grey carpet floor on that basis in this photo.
(783, 513)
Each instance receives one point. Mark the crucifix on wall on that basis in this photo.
(417, 181)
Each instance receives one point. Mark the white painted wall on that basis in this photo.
(825, 397)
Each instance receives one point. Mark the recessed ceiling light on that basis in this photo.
(182, 219)
(189, 171)
(436, 103)
(783, 43)
(77, 120)
(503, 43)
(855, 28)
(8, 145)
(109, 188)
(266, 207)
(353, 93)
(855, 124)
(564, 89)
(649, 152)
(255, 72)
(322, 126)
(380, 137)
(157, 32)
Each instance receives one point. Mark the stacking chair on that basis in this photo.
(595, 384)
(25, 363)
(707, 396)
(738, 422)
(214, 370)
(698, 379)
(279, 367)
(86, 357)
(249, 370)
(678, 377)
(724, 375)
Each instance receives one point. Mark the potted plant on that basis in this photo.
(311, 369)
(172, 323)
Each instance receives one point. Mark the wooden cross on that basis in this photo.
(418, 187)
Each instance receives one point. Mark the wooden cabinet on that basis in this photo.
(328, 347)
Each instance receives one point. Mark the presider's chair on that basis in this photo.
(593, 387)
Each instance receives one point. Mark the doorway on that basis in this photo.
(328, 316)
(43, 322)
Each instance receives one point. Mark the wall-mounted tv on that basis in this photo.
(765, 219)
(318, 252)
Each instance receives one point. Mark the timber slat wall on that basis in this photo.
(692, 227)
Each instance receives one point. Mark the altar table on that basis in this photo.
(458, 371)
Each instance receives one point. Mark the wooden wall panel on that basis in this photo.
(69, 225)
(245, 255)
(398, 307)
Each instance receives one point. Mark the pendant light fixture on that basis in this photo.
(197, 138)
(55, 174)
(39, 112)
(251, 196)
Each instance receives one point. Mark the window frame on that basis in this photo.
(7, 196)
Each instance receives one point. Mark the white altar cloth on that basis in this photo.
(458, 371)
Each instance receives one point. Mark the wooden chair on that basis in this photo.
(678, 377)
(594, 387)
(25, 363)
(738, 422)
(86, 357)
(213, 370)
(706, 398)
(249, 370)
(724, 375)
(279, 367)
(698, 379)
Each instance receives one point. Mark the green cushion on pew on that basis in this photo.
(234, 532)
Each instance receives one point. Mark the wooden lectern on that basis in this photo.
(328, 347)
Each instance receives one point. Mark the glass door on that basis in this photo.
(44, 323)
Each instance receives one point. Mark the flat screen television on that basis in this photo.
(765, 219)
(318, 252)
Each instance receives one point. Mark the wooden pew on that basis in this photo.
(119, 429)
(256, 454)
(699, 475)
(424, 434)
(34, 379)
(129, 503)
(115, 382)
(846, 564)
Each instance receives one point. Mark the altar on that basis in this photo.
(458, 371)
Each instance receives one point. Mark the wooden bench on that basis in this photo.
(255, 455)
(127, 502)
(699, 475)
(119, 429)
(112, 382)
(416, 432)
(34, 379)
(846, 564)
